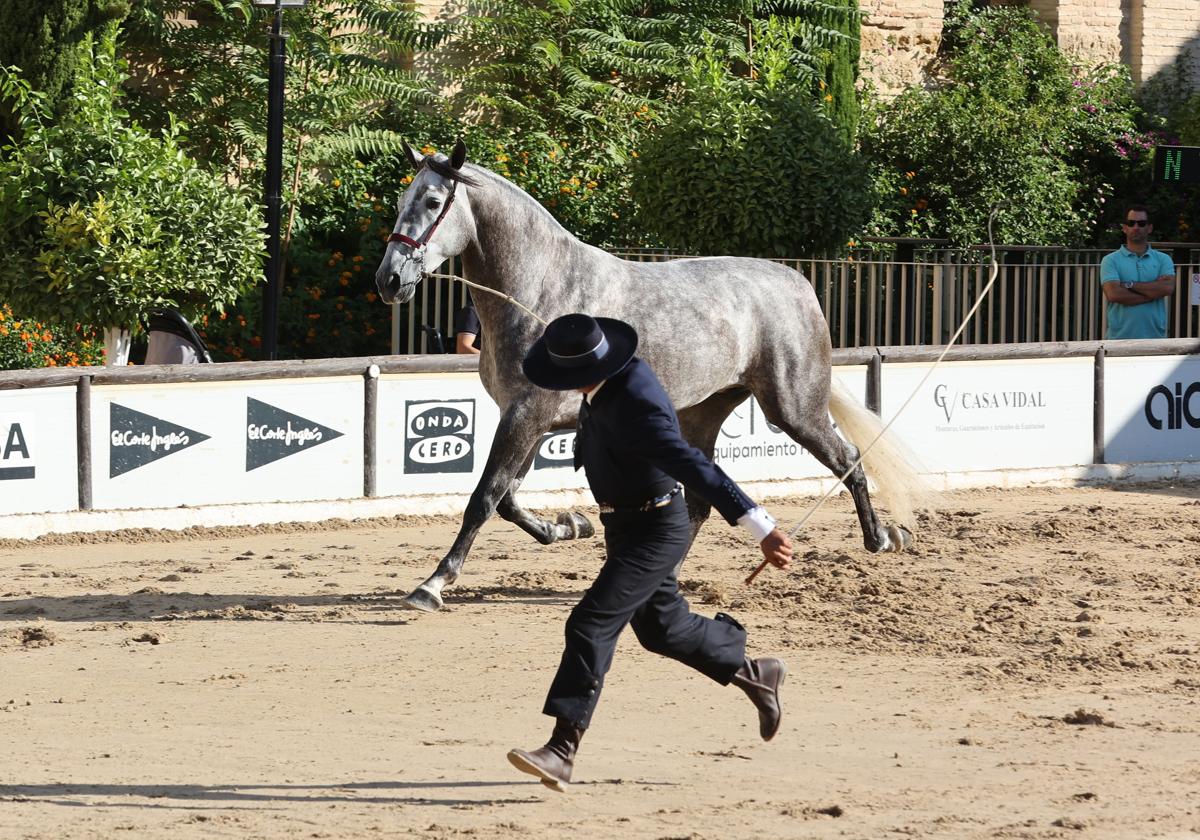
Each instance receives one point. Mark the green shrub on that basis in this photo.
(746, 168)
(1015, 125)
(104, 221)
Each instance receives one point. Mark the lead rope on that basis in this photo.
(508, 298)
(978, 302)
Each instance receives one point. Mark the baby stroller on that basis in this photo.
(173, 341)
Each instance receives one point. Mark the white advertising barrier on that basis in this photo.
(971, 416)
(750, 448)
(39, 469)
(1151, 409)
(223, 442)
(435, 434)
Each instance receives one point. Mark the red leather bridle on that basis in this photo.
(423, 240)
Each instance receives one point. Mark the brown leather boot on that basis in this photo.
(761, 679)
(552, 763)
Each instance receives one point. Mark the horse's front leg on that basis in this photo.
(521, 426)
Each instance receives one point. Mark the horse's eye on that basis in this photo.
(433, 202)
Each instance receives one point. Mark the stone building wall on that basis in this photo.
(1161, 31)
(1094, 30)
(901, 37)
(899, 40)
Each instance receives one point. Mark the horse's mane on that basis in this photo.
(443, 168)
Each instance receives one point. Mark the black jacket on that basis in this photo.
(631, 448)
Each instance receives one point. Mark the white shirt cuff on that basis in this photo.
(758, 522)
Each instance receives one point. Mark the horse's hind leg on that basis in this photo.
(812, 429)
(569, 525)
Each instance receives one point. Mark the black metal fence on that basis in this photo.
(906, 293)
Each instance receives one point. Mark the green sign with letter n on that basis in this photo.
(1177, 164)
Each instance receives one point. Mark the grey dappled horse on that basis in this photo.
(715, 330)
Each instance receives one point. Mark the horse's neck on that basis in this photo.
(517, 243)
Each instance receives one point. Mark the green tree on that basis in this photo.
(103, 221)
(837, 86)
(754, 168)
(1015, 125)
(575, 88)
(349, 92)
(47, 39)
(348, 82)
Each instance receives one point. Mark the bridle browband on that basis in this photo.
(422, 241)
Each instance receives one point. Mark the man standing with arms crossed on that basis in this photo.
(1137, 280)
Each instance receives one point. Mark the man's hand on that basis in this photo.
(777, 549)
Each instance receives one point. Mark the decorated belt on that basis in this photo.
(656, 502)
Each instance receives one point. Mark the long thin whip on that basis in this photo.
(970, 314)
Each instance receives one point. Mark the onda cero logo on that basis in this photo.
(555, 449)
(439, 436)
(1172, 409)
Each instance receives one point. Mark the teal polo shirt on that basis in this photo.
(1145, 320)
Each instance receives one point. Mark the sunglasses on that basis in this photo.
(1136, 222)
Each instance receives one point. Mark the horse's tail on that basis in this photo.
(890, 465)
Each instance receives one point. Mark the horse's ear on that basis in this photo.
(459, 156)
(414, 158)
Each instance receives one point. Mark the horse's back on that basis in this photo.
(708, 323)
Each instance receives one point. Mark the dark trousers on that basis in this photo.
(637, 585)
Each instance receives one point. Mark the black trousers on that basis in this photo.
(637, 586)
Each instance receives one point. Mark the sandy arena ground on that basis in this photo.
(1030, 670)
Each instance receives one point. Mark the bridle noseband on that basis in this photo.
(422, 241)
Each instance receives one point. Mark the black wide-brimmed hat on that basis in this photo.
(578, 350)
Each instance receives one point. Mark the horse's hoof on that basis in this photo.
(900, 538)
(423, 600)
(578, 524)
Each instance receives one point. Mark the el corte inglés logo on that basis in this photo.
(272, 434)
(439, 436)
(137, 439)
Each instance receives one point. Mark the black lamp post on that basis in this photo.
(274, 178)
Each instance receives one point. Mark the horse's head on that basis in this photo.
(434, 223)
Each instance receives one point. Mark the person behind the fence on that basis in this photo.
(635, 458)
(466, 328)
(1136, 281)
